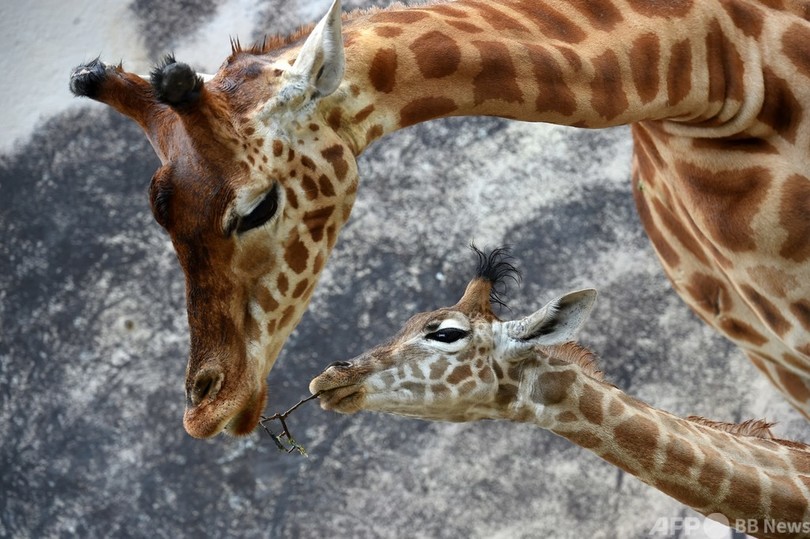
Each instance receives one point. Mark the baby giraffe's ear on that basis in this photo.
(555, 323)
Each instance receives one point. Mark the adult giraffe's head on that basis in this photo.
(253, 188)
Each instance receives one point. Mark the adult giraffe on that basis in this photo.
(258, 172)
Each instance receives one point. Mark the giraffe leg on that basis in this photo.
(795, 387)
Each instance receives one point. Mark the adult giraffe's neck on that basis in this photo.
(736, 470)
(588, 64)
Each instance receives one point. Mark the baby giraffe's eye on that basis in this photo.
(447, 335)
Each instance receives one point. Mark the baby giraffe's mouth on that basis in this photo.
(345, 399)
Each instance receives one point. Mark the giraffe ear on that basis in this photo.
(555, 323)
(318, 69)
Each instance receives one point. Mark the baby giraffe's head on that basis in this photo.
(458, 363)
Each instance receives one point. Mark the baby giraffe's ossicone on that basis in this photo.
(462, 363)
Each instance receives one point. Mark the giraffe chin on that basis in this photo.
(208, 421)
(344, 400)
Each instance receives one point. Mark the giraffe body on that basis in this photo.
(258, 162)
(462, 363)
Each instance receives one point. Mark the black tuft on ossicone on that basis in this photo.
(497, 268)
(175, 83)
(86, 78)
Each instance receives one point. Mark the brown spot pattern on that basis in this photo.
(334, 155)
(794, 217)
(383, 70)
(738, 330)
(497, 19)
(387, 31)
(554, 94)
(552, 387)
(374, 133)
(679, 458)
(745, 17)
(506, 394)
(310, 187)
(296, 255)
(608, 99)
(728, 199)
(668, 9)
(744, 490)
(662, 247)
(725, 66)
(498, 77)
(266, 300)
(584, 439)
(552, 23)
(292, 198)
(676, 228)
(685, 493)
(602, 14)
(709, 294)
(307, 162)
(465, 27)
(801, 310)
(317, 266)
(460, 373)
(425, 108)
(287, 316)
(679, 72)
(450, 11)
(794, 47)
(364, 113)
(793, 384)
(780, 110)
(438, 368)
(789, 499)
(399, 17)
(278, 147)
(335, 118)
(767, 310)
(645, 55)
(437, 55)
(638, 438)
(713, 471)
(282, 283)
(567, 417)
(746, 145)
(316, 221)
(325, 185)
(590, 404)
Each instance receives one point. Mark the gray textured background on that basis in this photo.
(93, 336)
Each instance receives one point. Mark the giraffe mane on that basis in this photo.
(573, 353)
(757, 428)
(271, 43)
(496, 268)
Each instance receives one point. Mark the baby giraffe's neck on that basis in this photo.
(737, 470)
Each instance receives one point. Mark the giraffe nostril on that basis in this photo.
(339, 364)
(206, 386)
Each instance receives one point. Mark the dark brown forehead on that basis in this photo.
(188, 199)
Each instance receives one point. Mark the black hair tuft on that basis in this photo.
(497, 268)
(175, 83)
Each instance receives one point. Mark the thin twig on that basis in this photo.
(281, 417)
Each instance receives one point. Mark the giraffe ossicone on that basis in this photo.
(259, 174)
(462, 363)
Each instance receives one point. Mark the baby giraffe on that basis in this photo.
(462, 363)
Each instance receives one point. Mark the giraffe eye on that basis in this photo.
(447, 335)
(262, 213)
